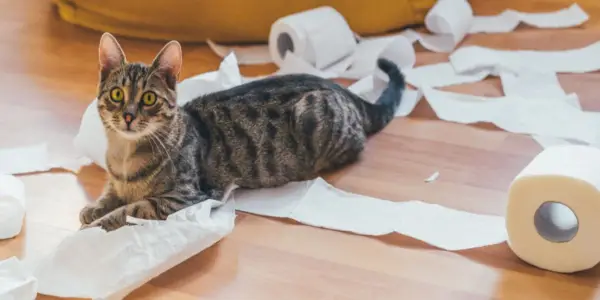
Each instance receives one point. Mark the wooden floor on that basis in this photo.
(48, 76)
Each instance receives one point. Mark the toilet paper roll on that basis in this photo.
(553, 212)
(320, 36)
(12, 206)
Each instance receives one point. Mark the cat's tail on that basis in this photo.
(377, 115)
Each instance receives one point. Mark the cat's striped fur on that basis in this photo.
(265, 133)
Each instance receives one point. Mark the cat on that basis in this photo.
(163, 157)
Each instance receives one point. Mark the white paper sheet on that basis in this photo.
(124, 259)
(12, 206)
(509, 19)
(317, 203)
(246, 55)
(16, 282)
(440, 75)
(533, 84)
(476, 58)
(545, 116)
(540, 85)
(35, 158)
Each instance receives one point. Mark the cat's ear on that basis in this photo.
(168, 63)
(110, 54)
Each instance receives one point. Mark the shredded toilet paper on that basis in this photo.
(509, 19)
(538, 85)
(544, 116)
(477, 58)
(12, 206)
(440, 75)
(16, 282)
(545, 85)
(124, 259)
(333, 48)
(317, 203)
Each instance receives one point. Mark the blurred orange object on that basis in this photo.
(229, 21)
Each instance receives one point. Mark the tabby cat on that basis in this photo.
(163, 157)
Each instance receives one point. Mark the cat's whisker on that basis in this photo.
(166, 152)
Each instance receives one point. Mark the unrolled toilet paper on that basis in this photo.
(124, 259)
(12, 206)
(552, 213)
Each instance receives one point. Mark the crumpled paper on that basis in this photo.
(16, 282)
(93, 263)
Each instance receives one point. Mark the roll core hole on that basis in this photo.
(556, 222)
(284, 43)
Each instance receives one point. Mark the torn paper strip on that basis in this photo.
(317, 203)
(16, 282)
(509, 19)
(544, 116)
(539, 85)
(476, 58)
(532, 84)
(433, 177)
(440, 75)
(246, 55)
(451, 20)
(12, 206)
(124, 259)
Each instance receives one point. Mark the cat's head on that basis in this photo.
(135, 99)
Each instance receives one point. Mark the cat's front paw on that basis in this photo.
(108, 222)
(90, 213)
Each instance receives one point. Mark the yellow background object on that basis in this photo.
(229, 20)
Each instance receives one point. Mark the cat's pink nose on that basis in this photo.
(128, 117)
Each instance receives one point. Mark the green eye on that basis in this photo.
(116, 95)
(149, 98)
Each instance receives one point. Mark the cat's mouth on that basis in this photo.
(131, 134)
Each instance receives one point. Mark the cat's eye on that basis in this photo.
(149, 98)
(116, 95)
